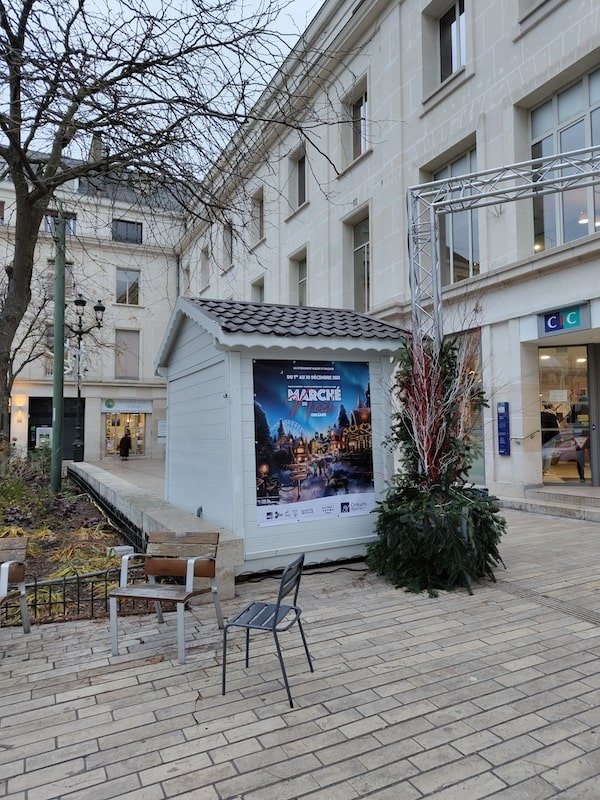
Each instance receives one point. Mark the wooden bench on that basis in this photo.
(13, 551)
(169, 555)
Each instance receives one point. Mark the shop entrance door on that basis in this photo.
(565, 414)
(117, 424)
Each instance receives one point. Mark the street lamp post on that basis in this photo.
(99, 309)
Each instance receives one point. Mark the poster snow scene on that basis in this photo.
(314, 458)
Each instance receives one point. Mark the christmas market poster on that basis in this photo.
(313, 440)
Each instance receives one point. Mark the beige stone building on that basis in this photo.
(399, 93)
(416, 91)
(123, 255)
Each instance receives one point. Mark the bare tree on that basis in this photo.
(138, 94)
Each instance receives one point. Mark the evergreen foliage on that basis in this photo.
(435, 530)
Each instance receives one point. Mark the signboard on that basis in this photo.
(123, 406)
(564, 320)
(503, 429)
(313, 441)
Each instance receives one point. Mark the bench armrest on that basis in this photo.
(4, 571)
(125, 566)
(189, 574)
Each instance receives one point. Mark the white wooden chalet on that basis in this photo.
(210, 355)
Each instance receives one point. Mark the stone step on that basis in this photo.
(551, 508)
(583, 498)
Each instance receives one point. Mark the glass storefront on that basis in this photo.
(117, 424)
(564, 413)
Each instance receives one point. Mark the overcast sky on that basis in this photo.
(298, 15)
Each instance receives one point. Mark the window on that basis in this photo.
(51, 217)
(570, 120)
(359, 126)
(298, 280)
(126, 231)
(361, 265)
(302, 281)
(354, 133)
(128, 286)
(258, 217)
(459, 235)
(258, 291)
(452, 40)
(298, 179)
(204, 267)
(185, 287)
(69, 280)
(127, 354)
(227, 246)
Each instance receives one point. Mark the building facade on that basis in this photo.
(123, 255)
(397, 93)
(401, 94)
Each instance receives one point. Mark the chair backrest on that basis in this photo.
(290, 580)
(14, 548)
(169, 551)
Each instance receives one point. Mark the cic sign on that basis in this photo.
(564, 320)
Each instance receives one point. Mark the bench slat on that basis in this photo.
(12, 549)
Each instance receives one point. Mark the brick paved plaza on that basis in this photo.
(495, 695)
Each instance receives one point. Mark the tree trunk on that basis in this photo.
(17, 294)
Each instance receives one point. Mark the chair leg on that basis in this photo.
(215, 595)
(310, 664)
(247, 647)
(159, 613)
(112, 605)
(181, 632)
(24, 612)
(224, 658)
(285, 680)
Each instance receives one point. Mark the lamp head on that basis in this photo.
(80, 303)
(99, 310)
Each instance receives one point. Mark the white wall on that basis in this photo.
(198, 428)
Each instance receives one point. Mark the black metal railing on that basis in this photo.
(70, 598)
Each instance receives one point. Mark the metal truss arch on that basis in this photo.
(492, 187)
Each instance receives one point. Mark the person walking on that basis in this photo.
(550, 430)
(125, 446)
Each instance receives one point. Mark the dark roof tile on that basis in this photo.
(234, 316)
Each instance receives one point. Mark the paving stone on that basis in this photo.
(573, 772)
(532, 789)
(536, 763)
(475, 693)
(449, 774)
(474, 788)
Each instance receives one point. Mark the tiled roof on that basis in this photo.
(235, 316)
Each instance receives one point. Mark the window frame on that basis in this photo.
(227, 242)
(448, 224)
(51, 216)
(298, 179)
(550, 217)
(69, 279)
(365, 280)
(257, 287)
(135, 357)
(257, 216)
(127, 301)
(204, 267)
(452, 45)
(299, 279)
(135, 237)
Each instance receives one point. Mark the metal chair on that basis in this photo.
(272, 617)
